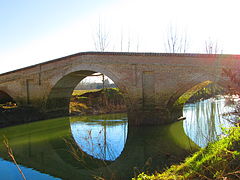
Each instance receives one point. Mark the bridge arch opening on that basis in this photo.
(6, 101)
(190, 92)
(92, 92)
(203, 107)
(96, 94)
(197, 92)
(193, 92)
(60, 101)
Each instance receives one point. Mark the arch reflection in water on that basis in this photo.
(103, 138)
(204, 120)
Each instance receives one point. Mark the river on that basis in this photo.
(85, 147)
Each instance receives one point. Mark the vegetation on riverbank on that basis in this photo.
(202, 91)
(219, 160)
(211, 90)
(97, 101)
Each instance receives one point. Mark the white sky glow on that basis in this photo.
(144, 23)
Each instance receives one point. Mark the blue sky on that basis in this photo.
(24, 20)
(33, 31)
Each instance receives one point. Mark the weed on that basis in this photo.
(219, 160)
(10, 153)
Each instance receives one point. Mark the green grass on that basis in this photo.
(219, 160)
(80, 92)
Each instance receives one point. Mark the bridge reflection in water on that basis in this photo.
(49, 147)
(76, 147)
(102, 137)
(205, 120)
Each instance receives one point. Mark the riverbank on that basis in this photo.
(210, 91)
(219, 160)
(13, 115)
(102, 101)
(83, 102)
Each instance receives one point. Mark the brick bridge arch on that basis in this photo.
(58, 99)
(181, 95)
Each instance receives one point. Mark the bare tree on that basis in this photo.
(176, 43)
(121, 41)
(212, 47)
(101, 39)
(137, 48)
(129, 44)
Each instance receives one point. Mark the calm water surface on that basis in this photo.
(104, 146)
(205, 120)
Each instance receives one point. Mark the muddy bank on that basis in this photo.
(104, 101)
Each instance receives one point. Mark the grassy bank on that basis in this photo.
(219, 160)
(97, 101)
(81, 92)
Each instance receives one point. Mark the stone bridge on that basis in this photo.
(151, 83)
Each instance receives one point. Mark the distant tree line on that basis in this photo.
(95, 85)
